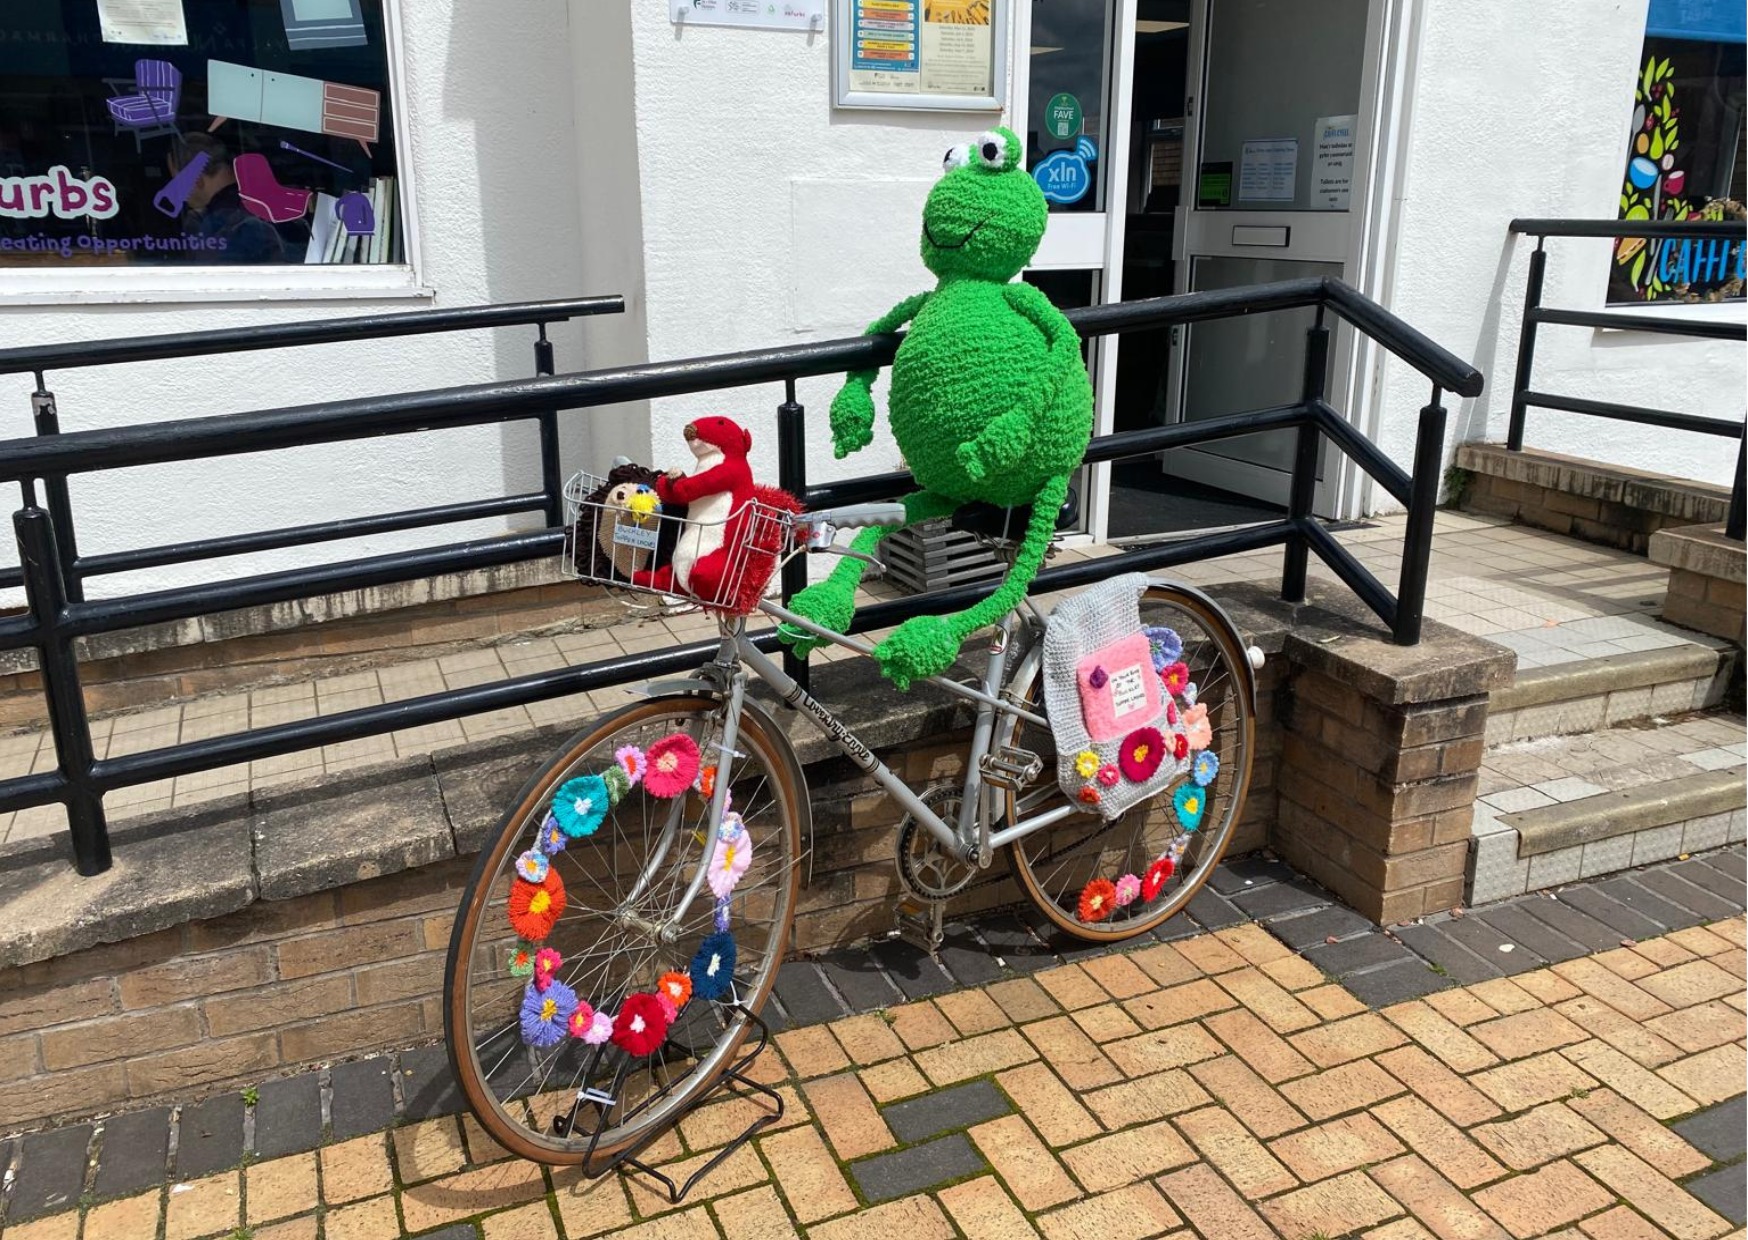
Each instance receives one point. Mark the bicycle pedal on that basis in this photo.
(920, 923)
(1010, 768)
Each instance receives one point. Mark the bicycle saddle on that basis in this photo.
(1010, 523)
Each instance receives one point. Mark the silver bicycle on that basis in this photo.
(647, 890)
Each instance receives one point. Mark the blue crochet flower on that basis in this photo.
(712, 969)
(546, 1013)
(1205, 767)
(721, 917)
(1164, 644)
(580, 805)
(532, 865)
(1191, 802)
(552, 838)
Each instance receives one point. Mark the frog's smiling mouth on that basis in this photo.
(959, 244)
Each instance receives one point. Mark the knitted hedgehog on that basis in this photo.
(990, 397)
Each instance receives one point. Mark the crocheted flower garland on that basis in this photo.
(550, 1009)
(1141, 753)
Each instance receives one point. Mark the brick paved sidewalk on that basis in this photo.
(1217, 1085)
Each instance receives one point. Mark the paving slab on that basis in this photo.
(361, 1097)
(1660, 912)
(1570, 922)
(1695, 899)
(911, 969)
(1459, 963)
(806, 997)
(136, 1147)
(1533, 936)
(1720, 1132)
(51, 1171)
(1351, 956)
(1724, 1190)
(860, 980)
(1309, 929)
(944, 1110)
(1629, 923)
(428, 1087)
(886, 1177)
(209, 1137)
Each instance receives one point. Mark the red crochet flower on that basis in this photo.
(641, 1026)
(535, 907)
(1180, 746)
(1143, 750)
(1155, 877)
(1097, 899)
(1175, 675)
(1089, 795)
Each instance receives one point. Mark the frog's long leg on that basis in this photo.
(927, 645)
(832, 603)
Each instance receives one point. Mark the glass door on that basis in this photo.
(1280, 117)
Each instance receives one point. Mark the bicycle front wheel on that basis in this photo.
(599, 952)
(1055, 864)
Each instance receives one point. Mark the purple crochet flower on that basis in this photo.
(546, 1013)
(1098, 679)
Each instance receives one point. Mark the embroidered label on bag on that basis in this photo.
(1128, 691)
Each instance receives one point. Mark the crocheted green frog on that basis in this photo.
(990, 397)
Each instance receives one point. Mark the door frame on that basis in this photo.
(1390, 63)
(1341, 237)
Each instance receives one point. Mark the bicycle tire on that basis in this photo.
(1234, 742)
(518, 1118)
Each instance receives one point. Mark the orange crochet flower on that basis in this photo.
(707, 781)
(1097, 900)
(677, 987)
(535, 907)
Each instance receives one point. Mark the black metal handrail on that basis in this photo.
(40, 360)
(56, 619)
(1524, 396)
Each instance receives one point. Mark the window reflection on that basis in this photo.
(1070, 68)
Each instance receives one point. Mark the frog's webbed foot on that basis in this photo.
(921, 647)
(998, 446)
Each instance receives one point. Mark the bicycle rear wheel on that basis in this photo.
(1056, 863)
(523, 1052)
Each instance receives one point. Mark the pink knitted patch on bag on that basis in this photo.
(1118, 688)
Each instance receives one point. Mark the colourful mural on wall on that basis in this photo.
(1655, 188)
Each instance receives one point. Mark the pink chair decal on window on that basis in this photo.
(262, 193)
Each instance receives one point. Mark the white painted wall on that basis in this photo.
(1529, 118)
(770, 218)
(489, 88)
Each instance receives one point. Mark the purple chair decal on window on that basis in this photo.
(148, 108)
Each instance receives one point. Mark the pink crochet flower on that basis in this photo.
(730, 861)
(670, 766)
(581, 1021)
(1128, 888)
(599, 1030)
(1109, 775)
(630, 759)
(1197, 730)
(546, 962)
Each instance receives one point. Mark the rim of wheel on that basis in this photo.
(525, 1030)
(1056, 865)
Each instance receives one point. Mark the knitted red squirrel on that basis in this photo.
(708, 561)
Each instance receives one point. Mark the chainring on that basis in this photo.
(926, 870)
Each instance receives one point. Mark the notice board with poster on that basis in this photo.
(932, 55)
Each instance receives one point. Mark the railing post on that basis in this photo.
(551, 475)
(792, 477)
(1734, 522)
(48, 422)
(1297, 554)
(1526, 343)
(46, 591)
(1429, 455)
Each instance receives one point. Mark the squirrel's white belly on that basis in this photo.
(706, 524)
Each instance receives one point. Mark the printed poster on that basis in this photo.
(930, 47)
(1332, 163)
(157, 23)
(1268, 170)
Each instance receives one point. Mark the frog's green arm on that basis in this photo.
(891, 321)
(1036, 309)
(852, 411)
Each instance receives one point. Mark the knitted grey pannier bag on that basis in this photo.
(1119, 733)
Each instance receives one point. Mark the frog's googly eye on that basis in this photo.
(991, 150)
(956, 157)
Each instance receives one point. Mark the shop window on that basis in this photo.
(196, 133)
(1069, 82)
(1684, 155)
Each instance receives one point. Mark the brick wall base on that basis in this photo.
(1364, 765)
(1706, 579)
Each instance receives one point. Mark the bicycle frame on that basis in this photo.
(970, 838)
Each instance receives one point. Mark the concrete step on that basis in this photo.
(1604, 690)
(1555, 809)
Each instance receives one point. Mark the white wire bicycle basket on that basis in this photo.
(617, 535)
